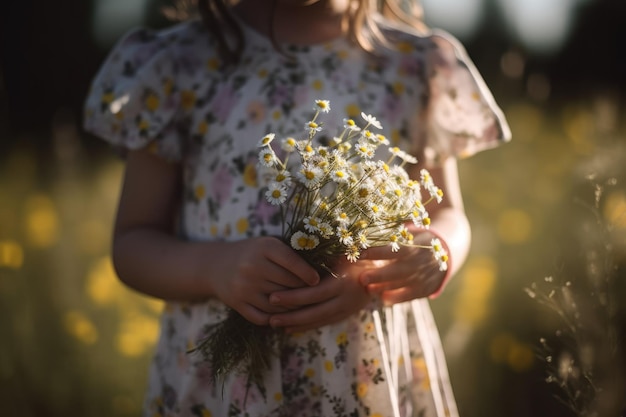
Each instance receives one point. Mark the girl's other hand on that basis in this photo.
(253, 269)
(402, 276)
(332, 300)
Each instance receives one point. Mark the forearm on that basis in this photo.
(158, 264)
(453, 229)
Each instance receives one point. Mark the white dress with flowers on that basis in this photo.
(165, 89)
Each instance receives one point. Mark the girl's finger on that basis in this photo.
(254, 315)
(394, 271)
(388, 286)
(303, 317)
(261, 302)
(295, 264)
(304, 296)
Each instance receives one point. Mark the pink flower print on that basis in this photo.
(224, 102)
(292, 369)
(265, 211)
(301, 95)
(204, 375)
(256, 111)
(242, 393)
(279, 96)
(409, 66)
(391, 110)
(367, 369)
(188, 61)
(221, 184)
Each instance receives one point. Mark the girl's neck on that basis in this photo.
(318, 22)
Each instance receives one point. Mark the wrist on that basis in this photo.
(209, 271)
(425, 237)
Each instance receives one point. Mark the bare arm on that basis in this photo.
(149, 258)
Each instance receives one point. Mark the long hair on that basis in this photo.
(362, 26)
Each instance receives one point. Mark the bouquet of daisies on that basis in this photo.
(335, 200)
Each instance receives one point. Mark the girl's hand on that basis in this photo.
(332, 300)
(253, 269)
(402, 276)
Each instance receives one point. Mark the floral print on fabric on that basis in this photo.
(168, 91)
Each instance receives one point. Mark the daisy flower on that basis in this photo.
(364, 190)
(322, 151)
(382, 139)
(340, 176)
(345, 236)
(367, 134)
(408, 158)
(394, 241)
(325, 229)
(311, 224)
(283, 178)
(352, 253)
(342, 218)
(303, 241)
(322, 105)
(350, 125)
(440, 254)
(276, 194)
(374, 209)
(365, 149)
(305, 148)
(394, 151)
(312, 127)
(405, 234)
(289, 144)
(363, 240)
(435, 192)
(310, 175)
(425, 178)
(371, 120)
(267, 139)
(267, 157)
(344, 147)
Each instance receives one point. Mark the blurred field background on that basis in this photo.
(540, 302)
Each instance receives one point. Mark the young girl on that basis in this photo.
(189, 104)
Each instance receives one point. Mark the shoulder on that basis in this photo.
(434, 43)
(174, 40)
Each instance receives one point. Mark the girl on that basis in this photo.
(189, 105)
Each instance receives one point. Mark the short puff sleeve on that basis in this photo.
(463, 117)
(133, 101)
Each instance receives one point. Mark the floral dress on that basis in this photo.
(168, 90)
